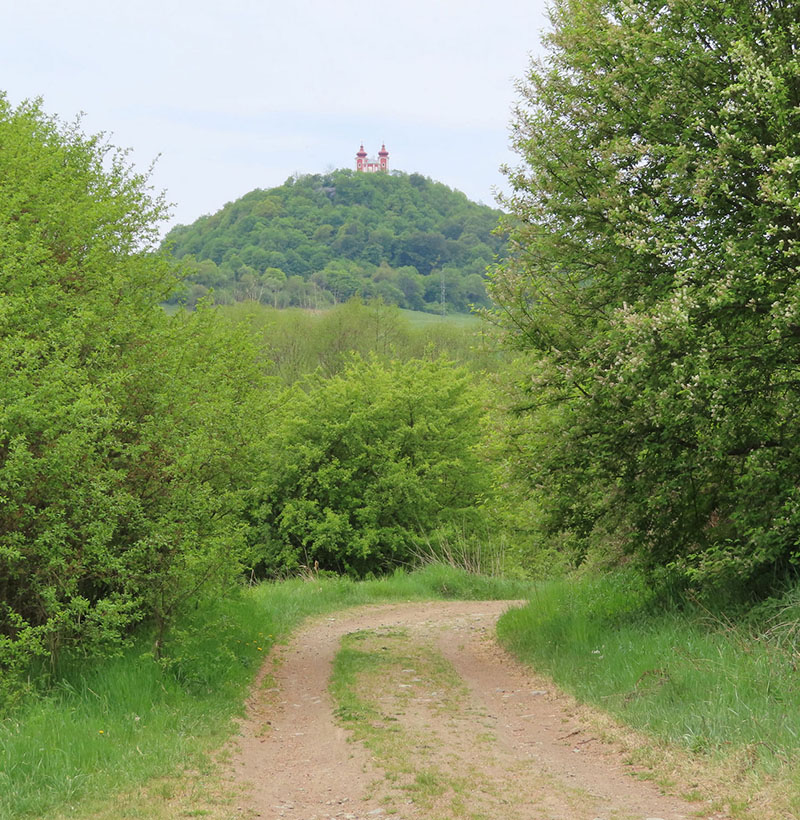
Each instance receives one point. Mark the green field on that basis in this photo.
(417, 318)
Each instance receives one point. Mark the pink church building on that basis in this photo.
(371, 165)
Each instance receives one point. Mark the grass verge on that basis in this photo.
(131, 725)
(726, 694)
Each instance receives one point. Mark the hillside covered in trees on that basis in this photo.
(320, 239)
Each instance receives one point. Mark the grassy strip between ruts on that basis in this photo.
(116, 738)
(373, 712)
(727, 694)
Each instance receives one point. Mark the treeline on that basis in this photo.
(653, 290)
(147, 460)
(296, 342)
(318, 240)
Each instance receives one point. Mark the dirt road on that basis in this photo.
(487, 740)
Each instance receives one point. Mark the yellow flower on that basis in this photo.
(100, 732)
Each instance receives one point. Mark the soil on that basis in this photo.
(524, 750)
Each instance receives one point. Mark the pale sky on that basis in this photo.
(240, 95)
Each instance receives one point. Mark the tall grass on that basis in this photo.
(680, 675)
(479, 554)
(102, 727)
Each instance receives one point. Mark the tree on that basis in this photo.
(422, 250)
(655, 234)
(273, 280)
(412, 283)
(366, 463)
(120, 429)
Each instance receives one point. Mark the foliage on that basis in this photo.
(655, 279)
(297, 342)
(365, 461)
(121, 430)
(320, 239)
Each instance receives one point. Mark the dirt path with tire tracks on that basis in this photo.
(507, 747)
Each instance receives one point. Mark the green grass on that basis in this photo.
(724, 692)
(105, 727)
(417, 318)
(365, 662)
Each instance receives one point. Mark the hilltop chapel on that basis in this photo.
(370, 165)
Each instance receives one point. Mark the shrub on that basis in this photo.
(365, 461)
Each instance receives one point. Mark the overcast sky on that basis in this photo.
(240, 95)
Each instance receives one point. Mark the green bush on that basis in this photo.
(124, 434)
(363, 463)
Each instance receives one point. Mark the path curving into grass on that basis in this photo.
(413, 711)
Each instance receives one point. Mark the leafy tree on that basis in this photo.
(366, 462)
(410, 281)
(424, 251)
(273, 280)
(655, 238)
(121, 430)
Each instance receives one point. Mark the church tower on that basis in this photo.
(361, 159)
(372, 165)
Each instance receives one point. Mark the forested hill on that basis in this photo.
(320, 239)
